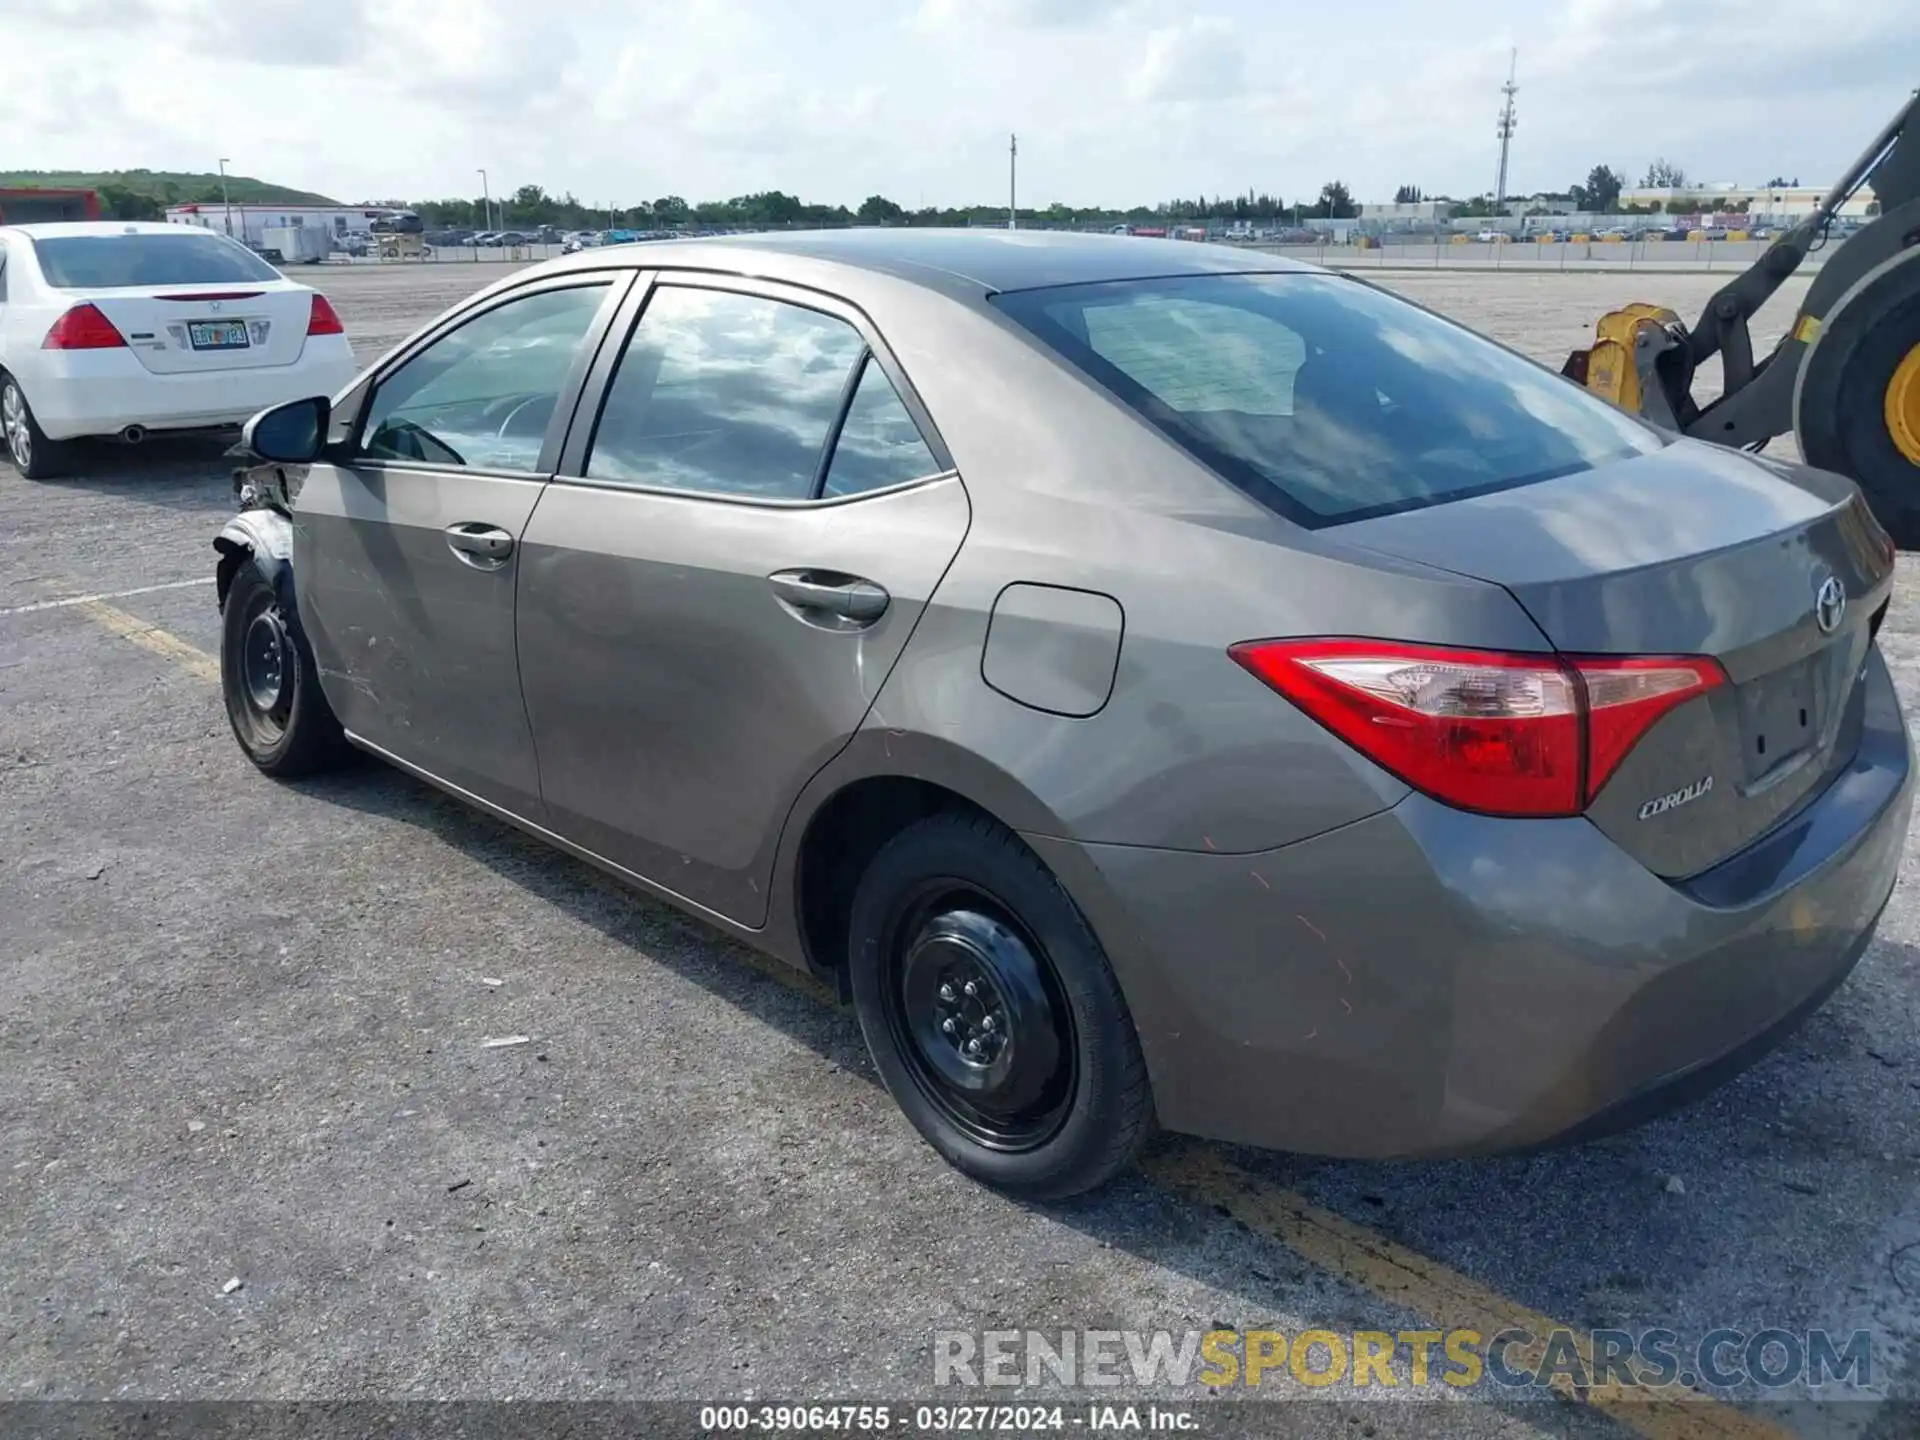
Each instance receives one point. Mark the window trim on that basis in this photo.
(3, 272)
(618, 283)
(571, 469)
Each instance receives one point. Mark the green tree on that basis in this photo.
(878, 210)
(1663, 174)
(1336, 201)
(1601, 192)
(1408, 195)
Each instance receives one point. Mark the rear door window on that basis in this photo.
(726, 394)
(1323, 398)
(124, 262)
(879, 444)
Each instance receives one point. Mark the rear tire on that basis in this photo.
(991, 1013)
(33, 454)
(271, 684)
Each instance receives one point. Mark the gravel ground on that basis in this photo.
(241, 1031)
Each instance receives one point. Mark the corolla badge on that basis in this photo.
(1830, 605)
(1686, 794)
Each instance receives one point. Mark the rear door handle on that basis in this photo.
(483, 546)
(828, 592)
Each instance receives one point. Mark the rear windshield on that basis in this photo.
(1323, 398)
(118, 262)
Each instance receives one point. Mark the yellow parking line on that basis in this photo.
(1444, 1298)
(1352, 1253)
(194, 660)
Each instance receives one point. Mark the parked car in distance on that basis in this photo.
(126, 329)
(1386, 768)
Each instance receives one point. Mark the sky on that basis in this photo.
(1116, 102)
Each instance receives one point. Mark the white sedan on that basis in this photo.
(110, 329)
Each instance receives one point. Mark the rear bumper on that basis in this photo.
(103, 392)
(1427, 982)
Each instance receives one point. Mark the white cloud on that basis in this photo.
(1041, 14)
(1114, 100)
(1200, 59)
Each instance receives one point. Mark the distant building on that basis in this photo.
(1419, 212)
(250, 223)
(38, 205)
(1780, 202)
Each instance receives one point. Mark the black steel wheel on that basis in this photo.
(991, 1012)
(270, 684)
(975, 1010)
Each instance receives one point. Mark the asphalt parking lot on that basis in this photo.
(242, 1031)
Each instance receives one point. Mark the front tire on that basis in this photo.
(271, 684)
(33, 454)
(991, 1013)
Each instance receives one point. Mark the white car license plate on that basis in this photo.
(218, 334)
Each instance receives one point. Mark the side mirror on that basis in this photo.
(290, 434)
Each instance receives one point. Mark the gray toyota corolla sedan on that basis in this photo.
(1157, 683)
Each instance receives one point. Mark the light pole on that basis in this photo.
(225, 202)
(1013, 164)
(486, 200)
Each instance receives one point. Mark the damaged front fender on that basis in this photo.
(263, 537)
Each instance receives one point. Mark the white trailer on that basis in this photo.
(249, 223)
(295, 244)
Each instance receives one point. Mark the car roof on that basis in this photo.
(957, 261)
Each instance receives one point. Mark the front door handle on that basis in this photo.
(483, 546)
(828, 592)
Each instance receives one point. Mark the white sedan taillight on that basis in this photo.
(83, 328)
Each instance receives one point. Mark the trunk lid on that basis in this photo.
(1691, 550)
(199, 329)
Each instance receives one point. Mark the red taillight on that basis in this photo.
(1625, 696)
(83, 328)
(322, 320)
(1499, 733)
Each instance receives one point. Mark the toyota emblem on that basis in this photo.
(1830, 604)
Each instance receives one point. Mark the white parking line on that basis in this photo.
(104, 595)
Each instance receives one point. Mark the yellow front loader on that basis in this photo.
(1845, 379)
